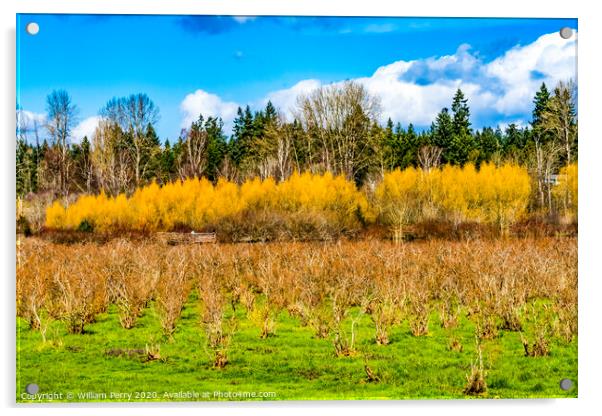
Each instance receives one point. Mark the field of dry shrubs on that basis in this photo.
(500, 285)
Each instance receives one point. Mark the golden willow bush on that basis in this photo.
(316, 206)
(566, 193)
(495, 195)
(197, 203)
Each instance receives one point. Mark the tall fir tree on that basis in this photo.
(462, 148)
(461, 112)
(82, 166)
(27, 161)
(442, 133)
(388, 146)
(409, 148)
(488, 145)
(167, 163)
(270, 113)
(216, 147)
(151, 154)
(541, 102)
(240, 144)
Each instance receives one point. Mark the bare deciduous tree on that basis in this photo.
(113, 166)
(133, 114)
(550, 162)
(192, 162)
(275, 150)
(61, 117)
(560, 117)
(337, 119)
(429, 157)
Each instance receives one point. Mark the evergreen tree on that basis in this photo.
(462, 147)
(167, 163)
(301, 154)
(560, 120)
(488, 145)
(443, 133)
(151, 154)
(409, 148)
(540, 105)
(26, 167)
(539, 137)
(242, 138)
(151, 136)
(398, 146)
(461, 119)
(82, 166)
(270, 113)
(250, 143)
(513, 140)
(388, 146)
(216, 147)
(517, 143)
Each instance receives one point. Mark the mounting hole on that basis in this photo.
(32, 388)
(566, 33)
(566, 384)
(32, 28)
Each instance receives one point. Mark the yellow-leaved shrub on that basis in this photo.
(566, 191)
(495, 195)
(400, 197)
(197, 203)
(319, 204)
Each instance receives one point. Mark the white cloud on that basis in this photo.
(415, 91)
(27, 121)
(403, 101)
(85, 128)
(286, 99)
(519, 123)
(207, 104)
(522, 69)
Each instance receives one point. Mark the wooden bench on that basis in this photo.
(186, 238)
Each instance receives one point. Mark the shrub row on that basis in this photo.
(311, 206)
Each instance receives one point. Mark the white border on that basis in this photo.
(590, 278)
(468, 8)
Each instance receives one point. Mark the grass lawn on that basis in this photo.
(292, 364)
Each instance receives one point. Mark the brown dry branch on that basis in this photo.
(79, 291)
(449, 312)
(32, 289)
(172, 291)
(419, 312)
(475, 380)
(539, 347)
(218, 331)
(497, 284)
(384, 314)
(247, 297)
(134, 272)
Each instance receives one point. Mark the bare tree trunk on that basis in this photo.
(138, 158)
(539, 172)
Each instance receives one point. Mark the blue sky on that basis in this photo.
(188, 64)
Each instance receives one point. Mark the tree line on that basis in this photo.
(334, 129)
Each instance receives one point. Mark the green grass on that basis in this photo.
(292, 363)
